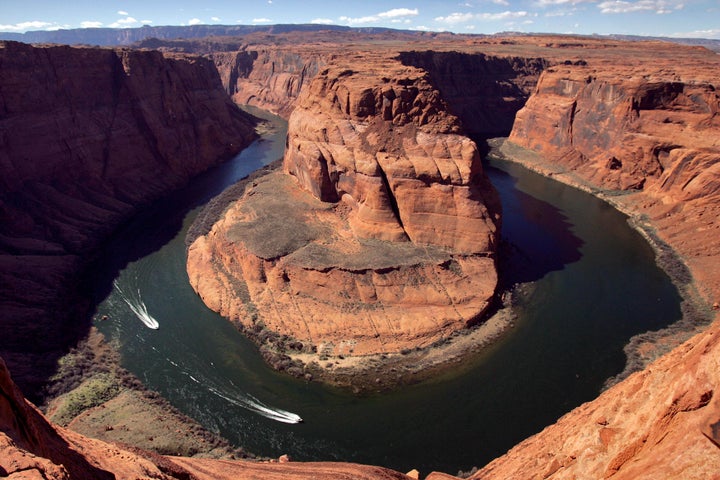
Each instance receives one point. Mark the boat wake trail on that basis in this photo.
(246, 401)
(138, 307)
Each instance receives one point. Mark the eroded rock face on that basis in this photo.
(649, 128)
(649, 426)
(380, 235)
(88, 135)
(623, 130)
(270, 79)
(485, 91)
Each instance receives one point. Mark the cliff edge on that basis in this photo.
(32, 447)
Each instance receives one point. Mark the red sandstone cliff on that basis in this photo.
(268, 78)
(648, 124)
(384, 238)
(623, 129)
(88, 135)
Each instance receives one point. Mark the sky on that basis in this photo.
(670, 18)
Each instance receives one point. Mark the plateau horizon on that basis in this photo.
(668, 18)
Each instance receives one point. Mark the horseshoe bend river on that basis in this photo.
(588, 283)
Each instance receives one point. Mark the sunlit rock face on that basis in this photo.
(380, 234)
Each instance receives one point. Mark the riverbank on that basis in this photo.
(375, 373)
(93, 395)
(699, 296)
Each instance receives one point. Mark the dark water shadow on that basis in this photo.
(160, 222)
(542, 239)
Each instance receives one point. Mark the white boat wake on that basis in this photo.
(138, 307)
(248, 402)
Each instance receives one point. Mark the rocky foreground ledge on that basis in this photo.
(378, 237)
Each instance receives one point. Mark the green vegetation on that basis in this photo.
(91, 393)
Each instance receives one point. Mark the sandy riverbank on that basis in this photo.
(372, 373)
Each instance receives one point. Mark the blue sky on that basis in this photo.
(678, 18)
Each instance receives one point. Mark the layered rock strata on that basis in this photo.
(625, 129)
(270, 79)
(378, 237)
(651, 132)
(88, 135)
(485, 91)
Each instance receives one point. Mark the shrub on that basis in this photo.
(91, 393)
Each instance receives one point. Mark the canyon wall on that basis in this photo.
(623, 130)
(484, 91)
(270, 79)
(645, 134)
(88, 156)
(380, 235)
(88, 135)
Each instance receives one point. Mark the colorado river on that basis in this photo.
(588, 282)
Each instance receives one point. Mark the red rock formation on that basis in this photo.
(650, 127)
(270, 79)
(484, 91)
(88, 136)
(649, 426)
(385, 240)
(620, 129)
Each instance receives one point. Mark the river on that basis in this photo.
(584, 282)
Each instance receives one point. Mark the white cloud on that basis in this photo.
(123, 12)
(145, 22)
(455, 18)
(215, 19)
(123, 22)
(399, 12)
(195, 21)
(395, 14)
(551, 3)
(322, 21)
(57, 26)
(356, 20)
(623, 6)
(423, 28)
(22, 26)
(90, 24)
(261, 20)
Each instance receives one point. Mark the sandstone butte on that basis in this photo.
(660, 422)
(378, 236)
